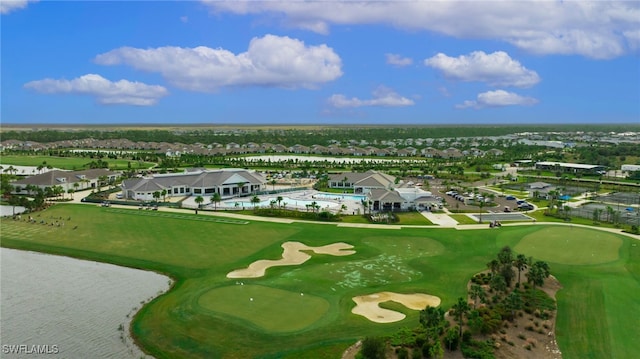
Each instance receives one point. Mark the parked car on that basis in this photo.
(525, 207)
(510, 198)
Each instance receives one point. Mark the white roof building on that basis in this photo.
(226, 182)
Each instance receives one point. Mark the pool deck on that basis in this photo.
(352, 206)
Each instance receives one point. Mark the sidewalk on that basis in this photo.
(440, 219)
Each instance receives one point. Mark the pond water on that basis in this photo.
(10, 210)
(70, 308)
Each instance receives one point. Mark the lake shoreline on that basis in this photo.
(82, 307)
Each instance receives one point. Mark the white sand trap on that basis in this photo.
(367, 305)
(292, 255)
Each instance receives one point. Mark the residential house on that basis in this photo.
(431, 152)
(74, 180)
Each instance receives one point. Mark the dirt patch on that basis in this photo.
(528, 336)
(368, 305)
(293, 254)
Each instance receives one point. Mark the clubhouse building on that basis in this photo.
(226, 182)
(383, 193)
(362, 182)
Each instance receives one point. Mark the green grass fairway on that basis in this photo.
(207, 315)
(571, 245)
(270, 309)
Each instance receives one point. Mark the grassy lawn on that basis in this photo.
(463, 219)
(412, 218)
(70, 163)
(208, 315)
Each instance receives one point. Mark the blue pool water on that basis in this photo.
(289, 203)
(340, 196)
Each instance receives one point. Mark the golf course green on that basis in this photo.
(305, 310)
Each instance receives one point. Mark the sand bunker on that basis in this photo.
(367, 305)
(292, 255)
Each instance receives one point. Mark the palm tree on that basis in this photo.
(156, 195)
(279, 200)
(164, 194)
(58, 190)
(596, 215)
(476, 293)
(199, 200)
(498, 283)
(513, 302)
(432, 319)
(101, 181)
(494, 265)
(505, 258)
(461, 308)
(520, 263)
(255, 201)
(552, 201)
(11, 170)
(215, 199)
(31, 188)
(273, 183)
(537, 274)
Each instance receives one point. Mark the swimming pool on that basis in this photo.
(290, 202)
(340, 196)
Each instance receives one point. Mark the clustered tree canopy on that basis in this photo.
(497, 296)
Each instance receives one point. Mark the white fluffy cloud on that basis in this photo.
(121, 92)
(7, 6)
(496, 69)
(269, 61)
(382, 96)
(397, 60)
(596, 29)
(498, 98)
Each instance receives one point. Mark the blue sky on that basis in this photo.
(321, 62)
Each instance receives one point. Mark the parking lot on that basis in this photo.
(455, 205)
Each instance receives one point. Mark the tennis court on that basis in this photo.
(501, 217)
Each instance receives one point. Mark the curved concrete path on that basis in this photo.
(442, 220)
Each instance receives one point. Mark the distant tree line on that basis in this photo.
(299, 135)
